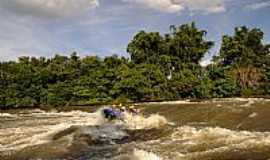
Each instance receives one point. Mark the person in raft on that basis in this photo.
(133, 110)
(112, 113)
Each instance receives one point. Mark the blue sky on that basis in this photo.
(104, 27)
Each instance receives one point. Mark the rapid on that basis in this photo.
(218, 129)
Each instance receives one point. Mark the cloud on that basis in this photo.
(48, 8)
(161, 5)
(259, 5)
(205, 6)
(46, 27)
(19, 36)
(176, 6)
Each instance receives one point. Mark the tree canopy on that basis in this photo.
(160, 67)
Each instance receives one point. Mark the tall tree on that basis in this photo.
(244, 48)
(188, 43)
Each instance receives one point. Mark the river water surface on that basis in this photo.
(222, 129)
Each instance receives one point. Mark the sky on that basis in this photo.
(105, 27)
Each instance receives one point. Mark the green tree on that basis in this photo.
(244, 48)
(188, 43)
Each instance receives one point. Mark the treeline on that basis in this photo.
(160, 67)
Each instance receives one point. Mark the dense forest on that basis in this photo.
(160, 67)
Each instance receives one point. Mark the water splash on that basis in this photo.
(141, 122)
(139, 155)
(143, 155)
(40, 127)
(43, 126)
(152, 135)
(8, 115)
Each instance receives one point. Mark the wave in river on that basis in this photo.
(220, 143)
(140, 122)
(139, 155)
(220, 131)
(37, 128)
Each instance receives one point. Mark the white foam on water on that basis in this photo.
(8, 115)
(249, 101)
(139, 155)
(141, 122)
(253, 115)
(40, 131)
(237, 99)
(218, 140)
(172, 102)
(220, 135)
(42, 126)
(143, 155)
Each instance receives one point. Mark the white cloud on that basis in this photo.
(206, 6)
(259, 5)
(176, 6)
(161, 5)
(19, 36)
(45, 27)
(48, 8)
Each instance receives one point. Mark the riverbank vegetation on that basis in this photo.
(160, 67)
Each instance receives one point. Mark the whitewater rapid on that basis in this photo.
(219, 130)
(39, 127)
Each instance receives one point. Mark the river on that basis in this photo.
(218, 129)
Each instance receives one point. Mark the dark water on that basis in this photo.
(224, 129)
